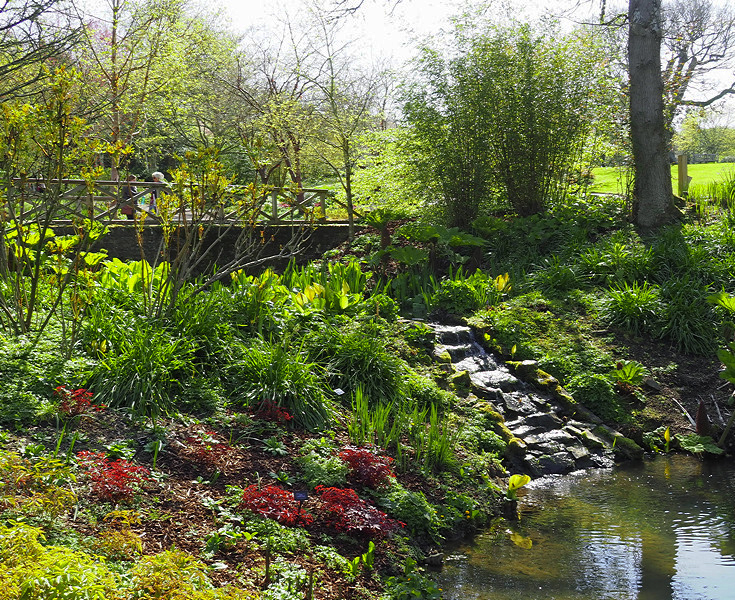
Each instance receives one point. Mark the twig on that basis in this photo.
(686, 414)
(717, 406)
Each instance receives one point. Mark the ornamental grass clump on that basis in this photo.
(286, 379)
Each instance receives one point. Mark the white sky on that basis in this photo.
(385, 32)
(389, 28)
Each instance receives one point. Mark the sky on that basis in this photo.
(385, 32)
(389, 28)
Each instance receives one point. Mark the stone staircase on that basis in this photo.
(548, 433)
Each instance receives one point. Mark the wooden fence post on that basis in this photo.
(682, 175)
(274, 205)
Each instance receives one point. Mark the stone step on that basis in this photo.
(453, 334)
(493, 380)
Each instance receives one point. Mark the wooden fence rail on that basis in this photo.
(103, 201)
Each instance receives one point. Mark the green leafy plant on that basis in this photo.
(143, 367)
(698, 444)
(413, 584)
(629, 372)
(321, 467)
(275, 447)
(597, 393)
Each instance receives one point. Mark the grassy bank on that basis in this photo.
(614, 180)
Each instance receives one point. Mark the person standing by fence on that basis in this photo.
(128, 192)
(158, 177)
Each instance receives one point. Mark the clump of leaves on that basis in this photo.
(633, 307)
(76, 403)
(629, 372)
(275, 503)
(112, 480)
(698, 444)
(367, 468)
(343, 510)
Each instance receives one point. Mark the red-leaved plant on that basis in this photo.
(270, 411)
(274, 503)
(343, 510)
(112, 480)
(367, 468)
(205, 449)
(75, 403)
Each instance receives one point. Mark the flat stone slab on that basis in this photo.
(475, 364)
(545, 420)
(539, 447)
(453, 334)
(578, 452)
(554, 464)
(524, 431)
(523, 404)
(499, 378)
(560, 436)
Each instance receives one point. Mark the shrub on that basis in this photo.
(343, 510)
(366, 468)
(274, 503)
(37, 488)
(32, 571)
(170, 575)
(597, 393)
(456, 297)
(112, 480)
(421, 518)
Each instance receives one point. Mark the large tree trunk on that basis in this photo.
(653, 196)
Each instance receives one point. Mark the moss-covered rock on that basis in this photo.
(460, 383)
(622, 446)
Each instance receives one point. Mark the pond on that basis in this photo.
(662, 529)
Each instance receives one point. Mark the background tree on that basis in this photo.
(651, 142)
(511, 108)
(31, 33)
(704, 132)
(348, 97)
(698, 37)
(133, 54)
(275, 83)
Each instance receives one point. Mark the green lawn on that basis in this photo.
(615, 180)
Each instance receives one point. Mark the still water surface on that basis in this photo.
(658, 530)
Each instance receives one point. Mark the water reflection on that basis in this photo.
(659, 530)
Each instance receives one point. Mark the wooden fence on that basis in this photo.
(104, 200)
